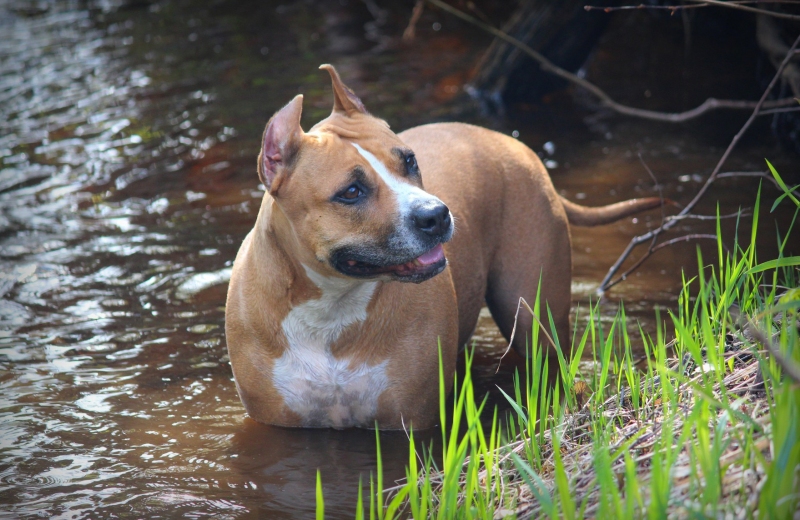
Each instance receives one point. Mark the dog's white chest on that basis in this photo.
(324, 390)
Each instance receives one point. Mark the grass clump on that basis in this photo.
(707, 425)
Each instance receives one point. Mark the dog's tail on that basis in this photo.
(584, 216)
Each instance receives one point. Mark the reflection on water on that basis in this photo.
(128, 136)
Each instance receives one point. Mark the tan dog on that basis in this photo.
(321, 329)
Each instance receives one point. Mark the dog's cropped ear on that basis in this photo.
(280, 143)
(344, 100)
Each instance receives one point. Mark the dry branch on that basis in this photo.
(741, 213)
(410, 32)
(703, 3)
(655, 247)
(790, 369)
(670, 117)
(763, 175)
(779, 111)
(758, 108)
(736, 5)
(653, 234)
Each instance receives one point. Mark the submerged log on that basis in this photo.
(562, 31)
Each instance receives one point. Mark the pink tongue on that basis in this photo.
(431, 257)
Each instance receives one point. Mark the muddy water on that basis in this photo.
(128, 136)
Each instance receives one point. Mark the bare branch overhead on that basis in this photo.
(669, 117)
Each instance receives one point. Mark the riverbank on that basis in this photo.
(706, 426)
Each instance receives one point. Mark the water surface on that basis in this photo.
(128, 137)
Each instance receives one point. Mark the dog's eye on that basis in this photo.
(350, 194)
(411, 163)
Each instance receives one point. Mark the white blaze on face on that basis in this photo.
(322, 389)
(406, 194)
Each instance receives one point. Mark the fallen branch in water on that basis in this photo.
(652, 235)
(655, 247)
(669, 117)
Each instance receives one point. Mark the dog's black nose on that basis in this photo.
(432, 219)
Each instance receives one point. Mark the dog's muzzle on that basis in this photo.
(412, 254)
(432, 219)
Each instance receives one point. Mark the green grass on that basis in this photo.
(708, 426)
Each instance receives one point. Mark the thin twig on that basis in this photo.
(653, 248)
(546, 65)
(520, 303)
(763, 175)
(788, 366)
(408, 437)
(733, 5)
(709, 217)
(672, 8)
(779, 111)
(605, 284)
(410, 32)
(675, 8)
(656, 184)
(661, 196)
(686, 238)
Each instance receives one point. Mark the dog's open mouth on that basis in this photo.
(423, 267)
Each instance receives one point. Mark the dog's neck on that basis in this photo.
(341, 301)
(275, 231)
(312, 376)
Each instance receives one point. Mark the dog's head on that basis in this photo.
(352, 193)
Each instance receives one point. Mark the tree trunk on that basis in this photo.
(562, 31)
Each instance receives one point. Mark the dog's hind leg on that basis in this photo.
(535, 246)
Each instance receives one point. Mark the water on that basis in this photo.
(128, 137)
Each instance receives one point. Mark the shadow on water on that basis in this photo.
(128, 137)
